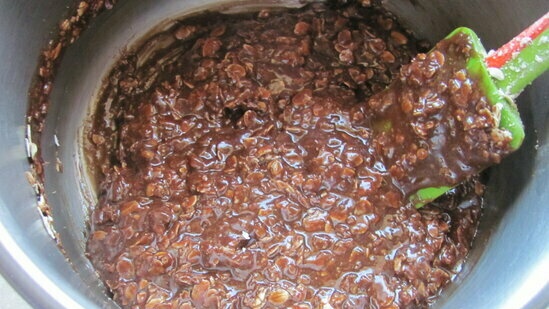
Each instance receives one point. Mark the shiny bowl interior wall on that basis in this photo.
(508, 267)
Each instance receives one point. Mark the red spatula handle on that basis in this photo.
(505, 53)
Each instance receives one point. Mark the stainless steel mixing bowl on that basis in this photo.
(507, 268)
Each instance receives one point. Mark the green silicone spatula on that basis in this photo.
(500, 76)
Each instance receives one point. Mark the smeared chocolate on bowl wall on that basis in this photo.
(240, 166)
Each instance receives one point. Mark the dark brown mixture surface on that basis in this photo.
(436, 125)
(243, 166)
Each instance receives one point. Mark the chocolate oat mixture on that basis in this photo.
(241, 163)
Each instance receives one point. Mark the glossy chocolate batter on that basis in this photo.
(241, 163)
